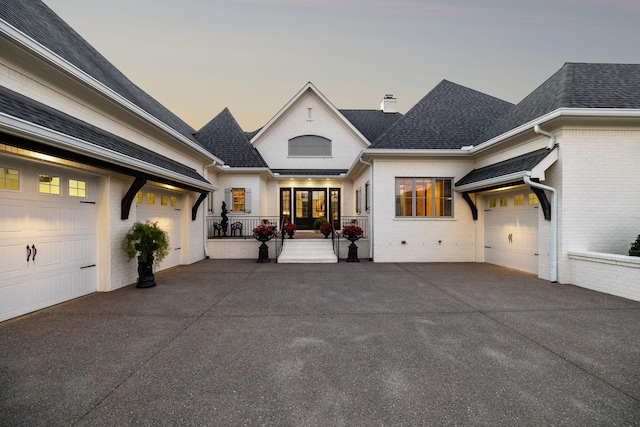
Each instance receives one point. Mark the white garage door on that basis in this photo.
(164, 207)
(511, 230)
(47, 237)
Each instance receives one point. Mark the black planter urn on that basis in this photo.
(146, 278)
(353, 251)
(263, 250)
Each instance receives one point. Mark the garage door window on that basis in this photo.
(423, 197)
(9, 179)
(533, 199)
(164, 200)
(48, 184)
(174, 201)
(77, 188)
(151, 199)
(503, 202)
(518, 200)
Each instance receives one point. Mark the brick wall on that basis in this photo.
(612, 274)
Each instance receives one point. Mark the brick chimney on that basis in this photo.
(389, 104)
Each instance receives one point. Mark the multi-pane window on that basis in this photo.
(174, 201)
(533, 199)
(9, 179)
(424, 197)
(238, 199)
(164, 200)
(139, 198)
(151, 198)
(77, 188)
(48, 184)
(492, 202)
(503, 201)
(518, 200)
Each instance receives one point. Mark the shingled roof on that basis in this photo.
(575, 85)
(449, 117)
(224, 138)
(37, 21)
(371, 123)
(22, 107)
(523, 163)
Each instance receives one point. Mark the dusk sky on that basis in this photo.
(198, 56)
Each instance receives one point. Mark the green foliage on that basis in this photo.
(318, 222)
(635, 248)
(148, 240)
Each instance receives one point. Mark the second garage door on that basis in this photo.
(511, 230)
(165, 208)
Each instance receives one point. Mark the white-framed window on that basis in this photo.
(173, 201)
(424, 197)
(309, 146)
(503, 201)
(48, 184)
(151, 198)
(518, 200)
(164, 200)
(358, 198)
(139, 197)
(9, 179)
(493, 202)
(77, 188)
(238, 199)
(533, 199)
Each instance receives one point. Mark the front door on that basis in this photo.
(309, 204)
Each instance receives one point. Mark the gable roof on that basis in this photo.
(575, 85)
(371, 123)
(309, 87)
(27, 110)
(449, 117)
(40, 23)
(224, 138)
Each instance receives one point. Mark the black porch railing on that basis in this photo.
(238, 226)
(360, 221)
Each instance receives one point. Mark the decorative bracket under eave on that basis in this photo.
(125, 205)
(194, 209)
(474, 209)
(544, 202)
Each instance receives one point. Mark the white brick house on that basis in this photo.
(543, 186)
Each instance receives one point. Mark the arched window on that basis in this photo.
(310, 146)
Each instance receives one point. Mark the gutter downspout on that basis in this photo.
(552, 138)
(371, 207)
(204, 221)
(554, 207)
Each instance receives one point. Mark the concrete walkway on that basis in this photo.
(239, 343)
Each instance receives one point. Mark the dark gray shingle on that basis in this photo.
(224, 138)
(449, 117)
(575, 85)
(522, 163)
(17, 105)
(371, 123)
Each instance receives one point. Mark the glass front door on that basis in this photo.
(309, 205)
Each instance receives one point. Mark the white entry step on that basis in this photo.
(311, 251)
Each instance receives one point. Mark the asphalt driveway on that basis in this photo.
(239, 343)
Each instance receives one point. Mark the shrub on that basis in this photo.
(318, 222)
(635, 248)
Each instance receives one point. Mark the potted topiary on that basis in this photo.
(151, 244)
(318, 222)
(635, 248)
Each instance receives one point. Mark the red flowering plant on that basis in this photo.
(326, 228)
(290, 227)
(263, 232)
(352, 232)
